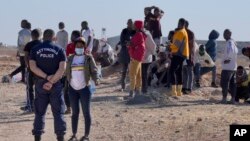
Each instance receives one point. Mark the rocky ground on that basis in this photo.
(154, 117)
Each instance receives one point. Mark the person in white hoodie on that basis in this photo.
(229, 67)
(203, 64)
(147, 60)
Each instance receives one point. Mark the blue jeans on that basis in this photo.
(43, 98)
(199, 71)
(75, 97)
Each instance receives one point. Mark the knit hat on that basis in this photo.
(139, 24)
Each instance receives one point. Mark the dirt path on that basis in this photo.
(190, 118)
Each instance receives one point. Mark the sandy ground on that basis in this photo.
(156, 117)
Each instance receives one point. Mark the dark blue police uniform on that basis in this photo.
(48, 57)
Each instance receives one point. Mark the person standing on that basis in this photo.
(62, 36)
(123, 57)
(150, 49)
(211, 48)
(80, 69)
(24, 36)
(88, 35)
(179, 52)
(136, 49)
(188, 66)
(48, 63)
(35, 34)
(229, 67)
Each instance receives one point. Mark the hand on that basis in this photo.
(47, 86)
(227, 61)
(49, 78)
(97, 82)
(87, 51)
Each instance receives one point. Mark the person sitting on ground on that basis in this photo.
(203, 64)
(160, 68)
(242, 81)
(105, 54)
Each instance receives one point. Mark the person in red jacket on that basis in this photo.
(70, 49)
(136, 49)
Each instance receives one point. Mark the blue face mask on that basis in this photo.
(79, 51)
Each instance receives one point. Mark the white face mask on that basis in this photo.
(79, 51)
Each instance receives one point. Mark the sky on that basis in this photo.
(203, 16)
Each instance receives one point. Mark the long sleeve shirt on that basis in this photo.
(230, 53)
(62, 38)
(24, 36)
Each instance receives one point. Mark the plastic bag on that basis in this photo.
(92, 87)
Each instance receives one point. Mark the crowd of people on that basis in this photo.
(61, 71)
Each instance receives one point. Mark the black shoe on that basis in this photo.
(84, 138)
(197, 84)
(73, 138)
(213, 84)
(189, 91)
(60, 138)
(37, 138)
(183, 90)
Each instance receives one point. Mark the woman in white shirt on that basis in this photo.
(80, 69)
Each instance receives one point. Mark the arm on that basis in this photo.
(59, 73)
(37, 70)
(93, 70)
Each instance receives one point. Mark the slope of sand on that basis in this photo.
(162, 118)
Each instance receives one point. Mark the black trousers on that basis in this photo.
(176, 70)
(228, 83)
(66, 91)
(21, 68)
(242, 93)
(124, 74)
(145, 77)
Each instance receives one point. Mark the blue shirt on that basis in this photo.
(48, 57)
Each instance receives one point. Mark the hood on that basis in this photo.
(214, 35)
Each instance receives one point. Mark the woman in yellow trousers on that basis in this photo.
(136, 49)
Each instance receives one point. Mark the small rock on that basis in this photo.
(177, 131)
(199, 119)
(117, 115)
(145, 120)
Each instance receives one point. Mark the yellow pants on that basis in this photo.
(135, 75)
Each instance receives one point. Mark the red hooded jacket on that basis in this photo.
(137, 46)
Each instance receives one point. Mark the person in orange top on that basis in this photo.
(136, 50)
(179, 51)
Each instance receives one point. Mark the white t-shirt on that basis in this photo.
(62, 38)
(230, 53)
(77, 81)
(106, 48)
(86, 33)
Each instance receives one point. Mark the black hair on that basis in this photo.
(243, 50)
(48, 34)
(76, 34)
(182, 21)
(170, 35)
(186, 23)
(28, 25)
(35, 33)
(61, 24)
(240, 68)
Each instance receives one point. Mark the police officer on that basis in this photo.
(48, 62)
